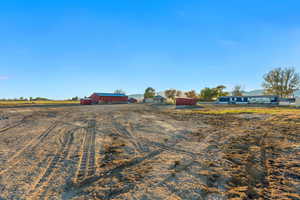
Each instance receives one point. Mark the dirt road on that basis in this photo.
(141, 152)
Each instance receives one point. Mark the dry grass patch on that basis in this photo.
(217, 110)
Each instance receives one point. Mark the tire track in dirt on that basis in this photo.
(13, 126)
(39, 190)
(180, 168)
(172, 149)
(128, 135)
(29, 146)
(123, 131)
(281, 165)
(279, 156)
(86, 166)
(111, 194)
(72, 191)
(260, 166)
(92, 132)
(264, 165)
(184, 167)
(22, 121)
(83, 158)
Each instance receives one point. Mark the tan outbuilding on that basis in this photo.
(297, 102)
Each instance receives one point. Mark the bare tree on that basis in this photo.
(219, 91)
(170, 94)
(191, 94)
(282, 82)
(237, 91)
(178, 93)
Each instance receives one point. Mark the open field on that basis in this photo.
(144, 152)
(20, 103)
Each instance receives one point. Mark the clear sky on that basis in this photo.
(59, 49)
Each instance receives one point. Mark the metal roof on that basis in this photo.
(257, 96)
(110, 94)
(159, 97)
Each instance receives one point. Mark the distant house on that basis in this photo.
(263, 99)
(155, 99)
(159, 99)
(108, 98)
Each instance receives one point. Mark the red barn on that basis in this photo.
(86, 101)
(109, 98)
(186, 101)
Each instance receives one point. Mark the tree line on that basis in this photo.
(205, 94)
(282, 82)
(26, 99)
(37, 99)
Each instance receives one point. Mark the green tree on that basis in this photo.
(208, 94)
(281, 81)
(149, 92)
(41, 99)
(75, 98)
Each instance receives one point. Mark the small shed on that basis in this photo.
(159, 99)
(186, 101)
(109, 98)
(86, 101)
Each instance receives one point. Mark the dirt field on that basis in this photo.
(141, 152)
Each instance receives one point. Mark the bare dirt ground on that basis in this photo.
(141, 152)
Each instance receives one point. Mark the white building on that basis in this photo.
(263, 99)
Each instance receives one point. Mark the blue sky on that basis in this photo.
(59, 49)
